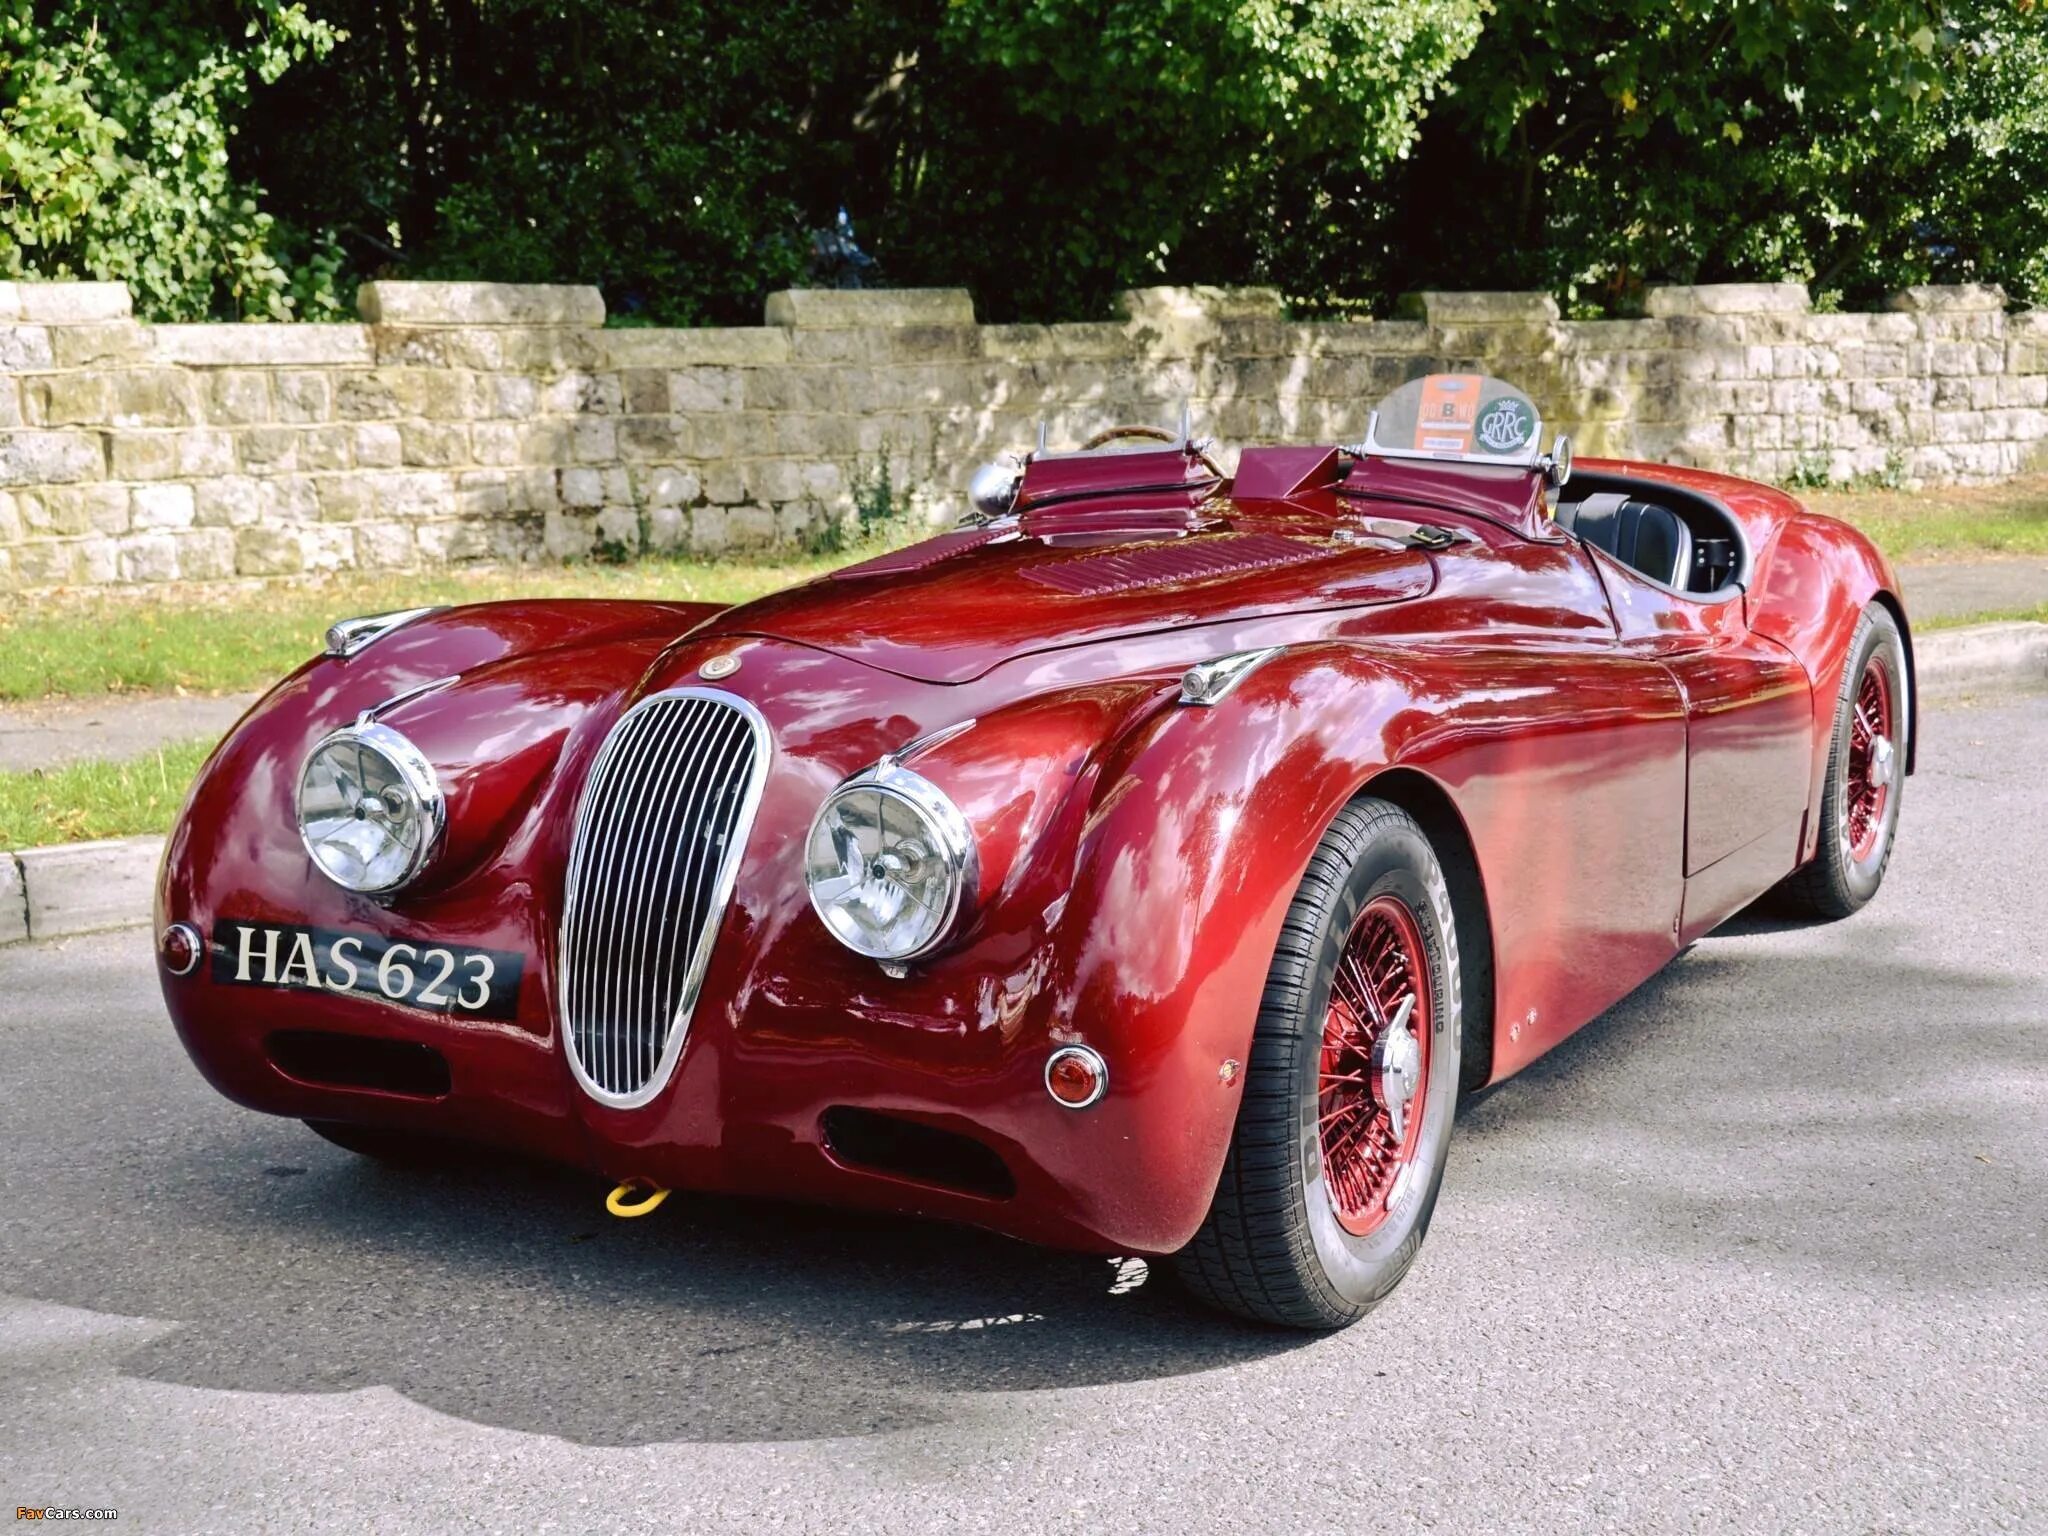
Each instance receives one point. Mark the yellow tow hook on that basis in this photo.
(616, 1202)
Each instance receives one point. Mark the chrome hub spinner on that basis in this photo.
(1397, 1067)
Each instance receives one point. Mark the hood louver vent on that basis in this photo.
(1161, 565)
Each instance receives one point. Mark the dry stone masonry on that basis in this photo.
(472, 421)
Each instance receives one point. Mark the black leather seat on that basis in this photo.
(1640, 534)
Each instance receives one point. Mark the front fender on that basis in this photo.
(1183, 873)
(497, 689)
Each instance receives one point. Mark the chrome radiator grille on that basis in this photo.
(659, 834)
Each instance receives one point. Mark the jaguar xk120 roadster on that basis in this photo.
(1146, 865)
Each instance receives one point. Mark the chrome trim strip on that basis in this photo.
(1206, 682)
(918, 745)
(678, 763)
(418, 691)
(345, 637)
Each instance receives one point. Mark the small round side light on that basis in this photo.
(179, 947)
(1076, 1076)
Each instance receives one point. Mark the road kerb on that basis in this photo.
(13, 901)
(70, 888)
(1947, 662)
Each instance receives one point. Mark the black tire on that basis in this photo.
(401, 1149)
(1836, 881)
(1272, 1247)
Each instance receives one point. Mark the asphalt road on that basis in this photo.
(1764, 1249)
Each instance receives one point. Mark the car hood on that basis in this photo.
(952, 607)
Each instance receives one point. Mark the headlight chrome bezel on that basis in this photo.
(411, 769)
(950, 834)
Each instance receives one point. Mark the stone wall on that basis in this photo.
(490, 421)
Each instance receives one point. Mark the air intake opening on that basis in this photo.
(910, 1150)
(358, 1061)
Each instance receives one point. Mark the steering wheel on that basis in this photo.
(1155, 434)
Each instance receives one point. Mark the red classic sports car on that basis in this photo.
(1144, 866)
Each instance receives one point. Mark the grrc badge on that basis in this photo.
(1506, 425)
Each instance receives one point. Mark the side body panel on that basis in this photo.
(1749, 740)
(1567, 768)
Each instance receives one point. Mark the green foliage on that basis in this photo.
(114, 155)
(1852, 144)
(677, 152)
(1055, 151)
(90, 641)
(880, 512)
(1044, 153)
(1809, 473)
(79, 801)
(654, 148)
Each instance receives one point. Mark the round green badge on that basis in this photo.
(1506, 424)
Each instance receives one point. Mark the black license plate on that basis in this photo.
(443, 978)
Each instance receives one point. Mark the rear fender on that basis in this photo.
(1816, 581)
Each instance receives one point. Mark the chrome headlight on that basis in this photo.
(369, 808)
(888, 861)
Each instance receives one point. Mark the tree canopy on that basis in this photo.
(256, 157)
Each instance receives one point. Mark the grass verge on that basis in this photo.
(1948, 522)
(228, 639)
(2038, 615)
(82, 801)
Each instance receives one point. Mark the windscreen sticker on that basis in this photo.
(1450, 405)
(1506, 425)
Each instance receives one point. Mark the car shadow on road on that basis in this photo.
(1855, 1112)
(504, 1294)
(1693, 1119)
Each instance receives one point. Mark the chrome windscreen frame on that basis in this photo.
(721, 898)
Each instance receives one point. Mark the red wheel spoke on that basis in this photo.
(1862, 796)
(1379, 972)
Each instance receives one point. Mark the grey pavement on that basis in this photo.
(1763, 1249)
(110, 726)
(1962, 589)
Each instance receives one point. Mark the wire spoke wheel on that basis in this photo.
(1869, 749)
(1374, 1068)
(1345, 1123)
(1872, 762)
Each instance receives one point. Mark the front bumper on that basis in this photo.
(751, 1110)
